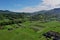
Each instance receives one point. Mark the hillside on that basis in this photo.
(28, 26)
(53, 14)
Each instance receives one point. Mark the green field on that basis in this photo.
(29, 30)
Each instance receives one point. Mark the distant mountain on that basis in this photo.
(5, 11)
(52, 11)
(52, 14)
(55, 11)
(48, 14)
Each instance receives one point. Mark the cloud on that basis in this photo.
(52, 3)
(45, 5)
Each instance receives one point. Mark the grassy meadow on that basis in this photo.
(29, 30)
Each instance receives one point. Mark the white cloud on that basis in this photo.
(52, 3)
(45, 5)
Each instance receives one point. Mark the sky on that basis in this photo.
(28, 5)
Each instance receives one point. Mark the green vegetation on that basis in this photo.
(27, 32)
(24, 26)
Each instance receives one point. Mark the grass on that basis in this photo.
(26, 33)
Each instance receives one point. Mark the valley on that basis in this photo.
(27, 26)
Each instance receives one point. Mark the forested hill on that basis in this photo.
(53, 14)
(6, 14)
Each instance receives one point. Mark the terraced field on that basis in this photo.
(28, 30)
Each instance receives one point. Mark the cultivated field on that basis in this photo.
(28, 30)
